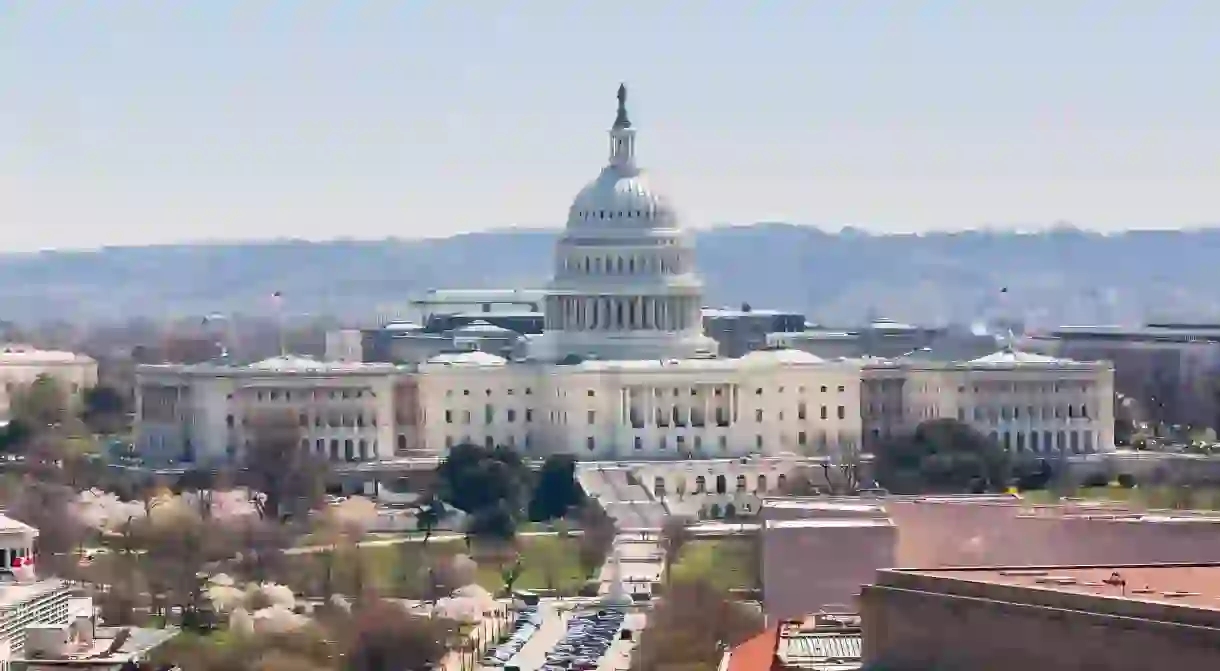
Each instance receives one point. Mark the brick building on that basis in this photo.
(1060, 618)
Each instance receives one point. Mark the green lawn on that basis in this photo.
(729, 563)
(548, 562)
(1142, 496)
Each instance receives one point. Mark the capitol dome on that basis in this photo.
(624, 285)
(621, 199)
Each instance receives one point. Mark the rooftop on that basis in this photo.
(1188, 585)
(820, 642)
(18, 354)
(136, 645)
(829, 523)
(14, 593)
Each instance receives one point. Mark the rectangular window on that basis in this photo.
(529, 415)
(592, 417)
(842, 412)
(825, 413)
(590, 443)
(512, 415)
(800, 438)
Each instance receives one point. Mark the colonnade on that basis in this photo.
(697, 405)
(623, 313)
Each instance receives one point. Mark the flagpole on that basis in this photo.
(279, 321)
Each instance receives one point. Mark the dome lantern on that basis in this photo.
(622, 135)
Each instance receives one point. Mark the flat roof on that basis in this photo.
(806, 504)
(1190, 585)
(13, 593)
(829, 523)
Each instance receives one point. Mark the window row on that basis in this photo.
(330, 420)
(309, 394)
(741, 485)
(1045, 441)
(627, 265)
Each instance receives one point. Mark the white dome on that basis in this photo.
(621, 197)
(780, 357)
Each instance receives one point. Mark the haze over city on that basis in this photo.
(130, 123)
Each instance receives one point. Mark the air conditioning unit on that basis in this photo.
(46, 641)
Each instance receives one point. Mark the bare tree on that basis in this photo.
(675, 533)
(596, 538)
(383, 636)
(288, 479)
(692, 625)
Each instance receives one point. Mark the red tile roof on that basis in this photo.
(756, 654)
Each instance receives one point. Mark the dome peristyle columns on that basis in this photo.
(623, 313)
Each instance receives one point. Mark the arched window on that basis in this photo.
(364, 450)
(722, 484)
(402, 442)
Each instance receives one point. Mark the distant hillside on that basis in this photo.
(1063, 275)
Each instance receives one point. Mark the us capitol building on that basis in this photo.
(622, 371)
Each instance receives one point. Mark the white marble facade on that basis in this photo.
(624, 371)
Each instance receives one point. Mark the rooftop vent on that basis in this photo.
(1056, 580)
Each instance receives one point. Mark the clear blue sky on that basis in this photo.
(125, 122)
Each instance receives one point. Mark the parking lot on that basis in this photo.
(585, 641)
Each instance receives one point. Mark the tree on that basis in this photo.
(105, 409)
(510, 572)
(942, 455)
(692, 626)
(675, 533)
(288, 479)
(42, 404)
(383, 636)
(493, 523)
(556, 490)
(844, 472)
(473, 479)
(13, 436)
(596, 538)
(428, 516)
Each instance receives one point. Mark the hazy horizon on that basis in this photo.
(138, 123)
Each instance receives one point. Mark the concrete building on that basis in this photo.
(811, 563)
(886, 338)
(1165, 370)
(205, 413)
(20, 365)
(739, 332)
(1031, 404)
(1052, 618)
(26, 601)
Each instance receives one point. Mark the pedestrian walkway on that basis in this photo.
(533, 654)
